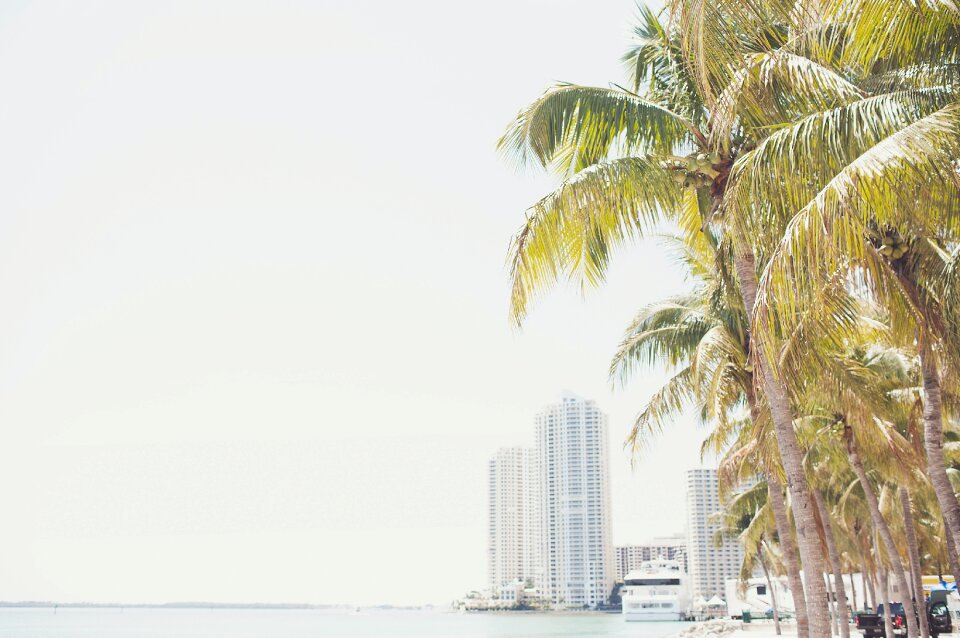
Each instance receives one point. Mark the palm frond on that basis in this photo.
(791, 166)
(663, 333)
(778, 86)
(668, 402)
(897, 33)
(572, 231)
(575, 127)
(902, 174)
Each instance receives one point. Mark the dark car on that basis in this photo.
(938, 618)
(872, 625)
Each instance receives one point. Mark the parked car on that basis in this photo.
(872, 625)
(938, 618)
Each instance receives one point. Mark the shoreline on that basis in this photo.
(727, 628)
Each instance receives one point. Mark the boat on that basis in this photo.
(659, 590)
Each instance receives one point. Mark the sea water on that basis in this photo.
(261, 623)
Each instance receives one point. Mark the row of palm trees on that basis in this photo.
(806, 154)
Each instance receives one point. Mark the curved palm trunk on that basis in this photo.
(887, 607)
(933, 442)
(951, 552)
(773, 593)
(838, 586)
(913, 549)
(933, 416)
(784, 531)
(869, 580)
(791, 454)
(869, 595)
(785, 534)
(853, 594)
(883, 529)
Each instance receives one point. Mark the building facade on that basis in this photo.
(709, 566)
(629, 557)
(514, 543)
(578, 561)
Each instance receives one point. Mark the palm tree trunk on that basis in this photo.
(913, 549)
(853, 593)
(773, 593)
(785, 534)
(791, 454)
(784, 530)
(933, 417)
(878, 583)
(839, 589)
(887, 607)
(933, 442)
(870, 592)
(881, 526)
(951, 552)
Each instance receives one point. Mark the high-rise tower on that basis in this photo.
(709, 566)
(513, 549)
(578, 560)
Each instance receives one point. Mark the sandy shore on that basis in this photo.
(735, 629)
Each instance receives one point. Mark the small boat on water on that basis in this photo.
(659, 590)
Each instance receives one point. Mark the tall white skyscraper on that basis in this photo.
(578, 560)
(514, 540)
(709, 566)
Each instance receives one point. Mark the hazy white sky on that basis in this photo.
(255, 344)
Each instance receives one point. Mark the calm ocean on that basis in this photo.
(223, 623)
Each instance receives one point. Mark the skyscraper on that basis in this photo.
(578, 560)
(709, 566)
(513, 549)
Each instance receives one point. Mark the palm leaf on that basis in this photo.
(577, 126)
(668, 402)
(572, 231)
(774, 87)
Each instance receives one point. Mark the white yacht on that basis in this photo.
(659, 590)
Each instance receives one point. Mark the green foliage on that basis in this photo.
(821, 138)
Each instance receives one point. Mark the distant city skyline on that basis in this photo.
(549, 513)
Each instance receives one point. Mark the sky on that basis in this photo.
(255, 338)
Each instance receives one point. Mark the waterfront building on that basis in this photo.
(630, 557)
(578, 561)
(709, 566)
(513, 539)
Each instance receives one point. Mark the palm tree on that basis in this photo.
(881, 526)
(853, 517)
(921, 271)
(631, 161)
(835, 564)
(749, 518)
(913, 550)
(703, 337)
(878, 183)
(861, 393)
